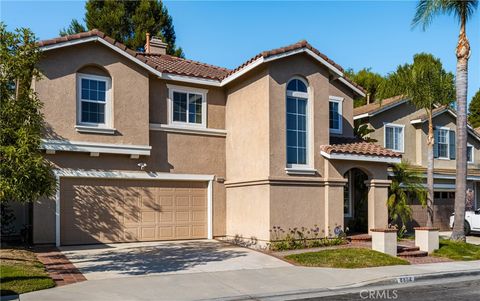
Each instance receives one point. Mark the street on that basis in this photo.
(448, 289)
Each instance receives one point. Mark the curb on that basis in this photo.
(314, 293)
(422, 277)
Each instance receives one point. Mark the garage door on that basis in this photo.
(104, 211)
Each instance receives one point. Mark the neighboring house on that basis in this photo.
(147, 146)
(399, 126)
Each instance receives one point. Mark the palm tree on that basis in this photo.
(463, 11)
(406, 184)
(426, 85)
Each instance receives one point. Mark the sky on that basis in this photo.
(355, 34)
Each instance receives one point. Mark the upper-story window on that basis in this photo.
(94, 100)
(188, 106)
(444, 147)
(335, 113)
(394, 137)
(470, 158)
(297, 123)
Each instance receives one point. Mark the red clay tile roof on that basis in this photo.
(355, 146)
(162, 63)
(175, 65)
(292, 47)
(373, 107)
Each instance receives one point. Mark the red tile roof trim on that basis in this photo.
(354, 146)
(174, 65)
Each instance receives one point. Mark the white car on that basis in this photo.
(472, 221)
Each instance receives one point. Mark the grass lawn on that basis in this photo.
(458, 250)
(349, 258)
(21, 272)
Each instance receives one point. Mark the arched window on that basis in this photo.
(94, 98)
(297, 111)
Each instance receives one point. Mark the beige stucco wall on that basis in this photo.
(248, 212)
(58, 91)
(247, 125)
(44, 221)
(297, 206)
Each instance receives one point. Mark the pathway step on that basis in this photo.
(407, 249)
(360, 237)
(413, 254)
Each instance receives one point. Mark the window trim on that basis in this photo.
(306, 168)
(184, 89)
(108, 124)
(473, 154)
(394, 125)
(448, 142)
(338, 100)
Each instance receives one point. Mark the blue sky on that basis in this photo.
(355, 34)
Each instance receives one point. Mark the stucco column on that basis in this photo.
(377, 203)
(334, 204)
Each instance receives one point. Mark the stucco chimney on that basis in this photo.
(157, 46)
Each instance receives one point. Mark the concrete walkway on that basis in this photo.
(240, 284)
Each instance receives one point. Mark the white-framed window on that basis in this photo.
(187, 106)
(470, 157)
(335, 114)
(297, 123)
(394, 137)
(443, 143)
(94, 100)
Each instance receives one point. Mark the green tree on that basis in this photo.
(362, 131)
(74, 27)
(474, 109)
(407, 184)
(369, 80)
(25, 176)
(426, 84)
(463, 11)
(128, 22)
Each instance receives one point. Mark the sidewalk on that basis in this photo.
(241, 284)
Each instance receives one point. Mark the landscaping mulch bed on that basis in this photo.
(58, 266)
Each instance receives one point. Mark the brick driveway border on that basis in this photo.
(60, 269)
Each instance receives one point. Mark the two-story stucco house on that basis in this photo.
(401, 127)
(148, 147)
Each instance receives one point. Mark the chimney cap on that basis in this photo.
(157, 46)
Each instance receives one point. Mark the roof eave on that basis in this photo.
(361, 157)
(380, 110)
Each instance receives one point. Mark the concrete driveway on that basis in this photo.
(159, 258)
(471, 239)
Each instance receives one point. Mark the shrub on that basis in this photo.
(302, 238)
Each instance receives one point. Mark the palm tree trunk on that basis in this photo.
(463, 54)
(430, 143)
